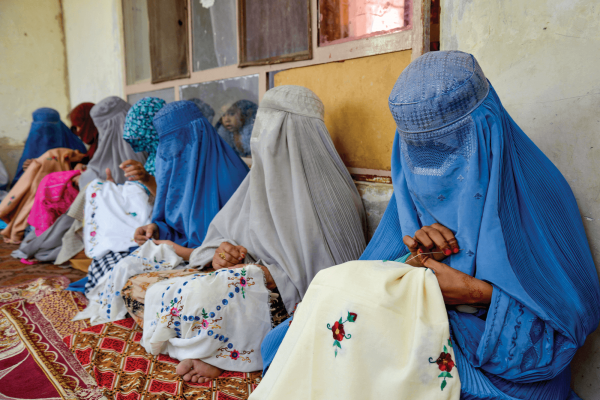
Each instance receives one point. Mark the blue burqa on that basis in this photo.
(196, 173)
(47, 132)
(460, 160)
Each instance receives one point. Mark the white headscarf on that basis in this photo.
(109, 118)
(298, 211)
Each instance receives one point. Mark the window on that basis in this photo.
(343, 20)
(225, 53)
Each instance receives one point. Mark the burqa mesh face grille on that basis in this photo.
(432, 153)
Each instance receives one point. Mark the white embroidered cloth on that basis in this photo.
(220, 318)
(366, 330)
(112, 214)
(105, 301)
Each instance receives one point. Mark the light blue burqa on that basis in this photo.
(196, 173)
(460, 160)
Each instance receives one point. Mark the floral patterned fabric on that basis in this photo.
(106, 302)
(134, 294)
(139, 131)
(364, 330)
(112, 214)
(124, 370)
(220, 318)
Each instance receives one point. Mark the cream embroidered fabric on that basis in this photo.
(366, 330)
(106, 303)
(112, 214)
(220, 318)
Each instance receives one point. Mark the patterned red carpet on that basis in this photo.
(13, 272)
(105, 360)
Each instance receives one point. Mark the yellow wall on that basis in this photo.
(355, 94)
(94, 34)
(33, 70)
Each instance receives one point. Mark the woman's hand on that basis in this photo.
(134, 171)
(27, 163)
(143, 233)
(457, 287)
(431, 239)
(228, 255)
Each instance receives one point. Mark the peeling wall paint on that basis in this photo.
(543, 57)
(94, 38)
(375, 198)
(33, 70)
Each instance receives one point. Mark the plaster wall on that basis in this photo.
(94, 42)
(542, 57)
(34, 71)
(355, 94)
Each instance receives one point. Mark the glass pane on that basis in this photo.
(167, 95)
(234, 102)
(344, 20)
(274, 31)
(137, 44)
(214, 33)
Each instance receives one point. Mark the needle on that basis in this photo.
(421, 254)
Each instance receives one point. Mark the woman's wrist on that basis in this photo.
(268, 277)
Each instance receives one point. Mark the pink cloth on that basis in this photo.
(52, 199)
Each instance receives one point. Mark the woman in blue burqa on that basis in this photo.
(512, 258)
(47, 132)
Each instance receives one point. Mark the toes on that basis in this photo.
(187, 377)
(195, 378)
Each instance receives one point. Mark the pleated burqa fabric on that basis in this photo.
(298, 211)
(109, 118)
(459, 159)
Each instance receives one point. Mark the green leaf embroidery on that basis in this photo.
(450, 343)
(444, 383)
(350, 317)
(445, 374)
(336, 352)
(445, 349)
(204, 314)
(336, 343)
(340, 321)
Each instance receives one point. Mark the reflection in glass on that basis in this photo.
(234, 102)
(214, 31)
(343, 20)
(167, 95)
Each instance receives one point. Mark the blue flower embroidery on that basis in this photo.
(177, 323)
(210, 333)
(237, 289)
(218, 308)
(230, 346)
(212, 314)
(184, 283)
(230, 295)
(197, 318)
(225, 302)
(179, 291)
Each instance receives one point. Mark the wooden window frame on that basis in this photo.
(415, 39)
(241, 16)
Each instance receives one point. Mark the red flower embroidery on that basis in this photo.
(445, 362)
(338, 331)
(92, 234)
(174, 312)
(352, 317)
(234, 355)
(93, 195)
(243, 281)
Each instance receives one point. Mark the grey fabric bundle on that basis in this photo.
(109, 117)
(46, 246)
(298, 211)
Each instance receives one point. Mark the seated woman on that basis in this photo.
(109, 117)
(297, 212)
(476, 202)
(15, 208)
(196, 173)
(83, 126)
(47, 132)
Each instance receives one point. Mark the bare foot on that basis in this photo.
(197, 371)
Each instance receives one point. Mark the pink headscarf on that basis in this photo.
(52, 199)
